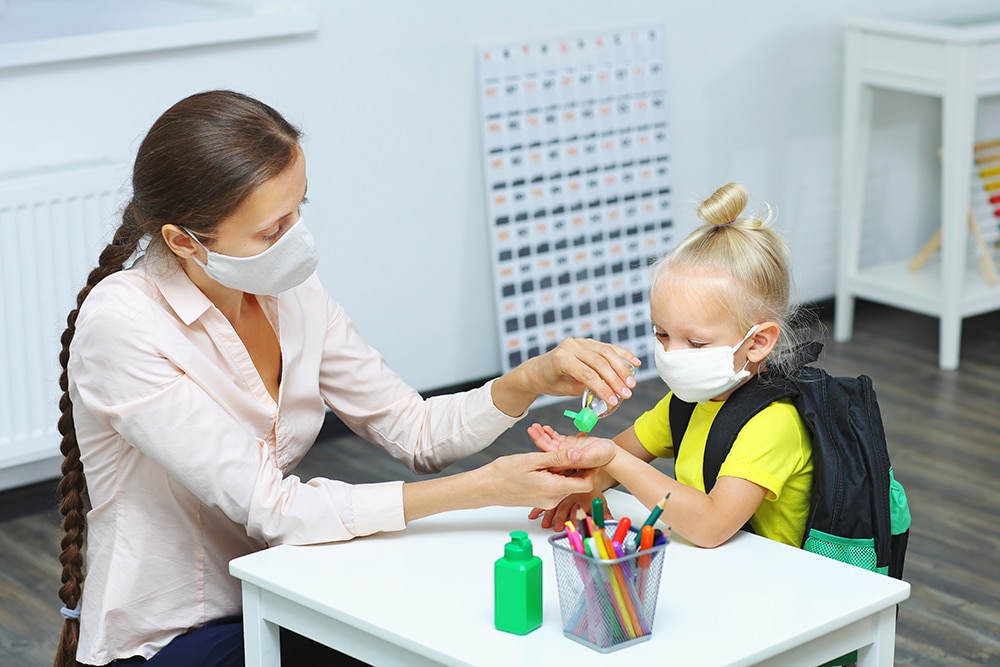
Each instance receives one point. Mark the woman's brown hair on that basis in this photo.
(198, 162)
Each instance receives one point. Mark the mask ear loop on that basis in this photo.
(194, 238)
(750, 333)
(208, 253)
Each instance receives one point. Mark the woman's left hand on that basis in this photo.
(575, 364)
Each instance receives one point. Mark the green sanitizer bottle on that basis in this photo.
(517, 587)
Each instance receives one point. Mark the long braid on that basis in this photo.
(73, 485)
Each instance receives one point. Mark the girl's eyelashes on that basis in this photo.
(663, 336)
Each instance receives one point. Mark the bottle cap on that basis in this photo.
(584, 420)
(519, 547)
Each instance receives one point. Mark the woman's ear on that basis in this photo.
(179, 241)
(763, 341)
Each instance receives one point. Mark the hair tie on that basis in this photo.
(728, 224)
(140, 250)
(70, 614)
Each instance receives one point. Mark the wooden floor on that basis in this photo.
(943, 436)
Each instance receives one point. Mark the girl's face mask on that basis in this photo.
(697, 375)
(284, 265)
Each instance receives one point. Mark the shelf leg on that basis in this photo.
(856, 131)
(958, 136)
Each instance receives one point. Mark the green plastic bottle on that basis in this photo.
(517, 587)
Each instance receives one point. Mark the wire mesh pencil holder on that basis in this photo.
(607, 604)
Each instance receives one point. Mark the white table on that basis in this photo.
(425, 596)
(959, 63)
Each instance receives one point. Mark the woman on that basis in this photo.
(198, 377)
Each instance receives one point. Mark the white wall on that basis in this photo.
(386, 93)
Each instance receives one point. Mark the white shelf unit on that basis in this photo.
(959, 63)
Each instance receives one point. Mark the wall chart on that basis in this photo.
(578, 181)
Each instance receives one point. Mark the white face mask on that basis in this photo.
(697, 375)
(284, 265)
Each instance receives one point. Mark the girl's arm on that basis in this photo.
(707, 520)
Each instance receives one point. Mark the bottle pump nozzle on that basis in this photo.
(593, 408)
(585, 420)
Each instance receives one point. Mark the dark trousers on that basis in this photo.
(220, 644)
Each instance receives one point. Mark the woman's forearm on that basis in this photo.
(465, 490)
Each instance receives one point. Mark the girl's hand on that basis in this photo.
(575, 364)
(548, 439)
(557, 517)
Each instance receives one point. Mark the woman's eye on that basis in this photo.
(695, 344)
(271, 237)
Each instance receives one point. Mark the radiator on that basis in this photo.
(53, 226)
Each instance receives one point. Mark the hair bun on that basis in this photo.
(725, 205)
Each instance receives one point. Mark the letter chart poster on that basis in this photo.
(578, 181)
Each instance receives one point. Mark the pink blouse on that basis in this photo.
(188, 458)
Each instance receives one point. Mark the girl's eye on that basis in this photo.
(661, 336)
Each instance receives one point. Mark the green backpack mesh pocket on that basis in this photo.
(859, 552)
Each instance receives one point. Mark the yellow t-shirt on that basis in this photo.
(773, 450)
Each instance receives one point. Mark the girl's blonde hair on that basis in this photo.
(753, 257)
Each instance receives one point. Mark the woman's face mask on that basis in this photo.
(284, 265)
(697, 375)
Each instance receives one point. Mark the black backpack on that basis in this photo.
(858, 512)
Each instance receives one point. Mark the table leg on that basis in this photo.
(261, 639)
(881, 651)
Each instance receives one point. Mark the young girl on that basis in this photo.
(720, 308)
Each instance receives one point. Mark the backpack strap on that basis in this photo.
(750, 398)
(680, 416)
